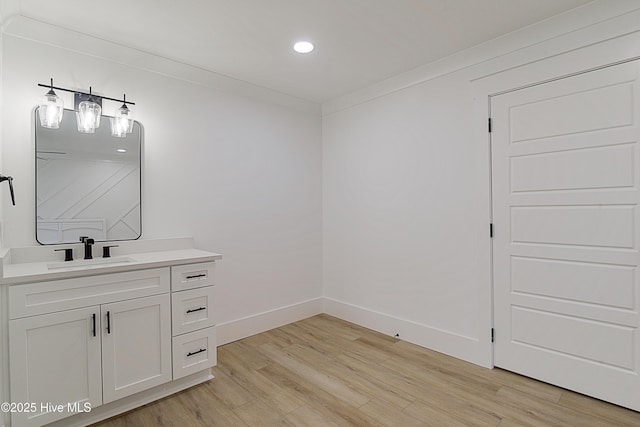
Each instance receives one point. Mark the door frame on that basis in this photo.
(486, 84)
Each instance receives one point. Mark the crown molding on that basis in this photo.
(52, 35)
(593, 22)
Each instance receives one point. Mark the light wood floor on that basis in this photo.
(323, 371)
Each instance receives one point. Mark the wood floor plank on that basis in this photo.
(615, 415)
(386, 415)
(332, 408)
(359, 383)
(406, 386)
(335, 326)
(367, 348)
(451, 410)
(202, 408)
(259, 413)
(321, 341)
(324, 371)
(477, 393)
(228, 390)
(241, 351)
(433, 415)
(438, 361)
(307, 416)
(327, 382)
(551, 413)
(281, 399)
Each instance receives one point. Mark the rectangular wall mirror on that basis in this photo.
(87, 184)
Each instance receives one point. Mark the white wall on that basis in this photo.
(406, 179)
(406, 211)
(239, 173)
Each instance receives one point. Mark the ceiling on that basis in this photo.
(358, 42)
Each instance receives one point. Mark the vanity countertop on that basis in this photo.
(29, 272)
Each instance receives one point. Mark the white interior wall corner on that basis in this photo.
(398, 141)
(244, 179)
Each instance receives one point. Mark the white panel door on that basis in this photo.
(566, 176)
(55, 358)
(136, 345)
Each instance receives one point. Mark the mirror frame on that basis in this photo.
(105, 120)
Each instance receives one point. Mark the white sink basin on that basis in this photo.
(88, 263)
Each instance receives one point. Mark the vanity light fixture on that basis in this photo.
(303, 47)
(122, 123)
(88, 109)
(51, 109)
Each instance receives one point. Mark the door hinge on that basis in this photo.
(491, 230)
(490, 127)
(493, 336)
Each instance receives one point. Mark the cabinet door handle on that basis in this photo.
(108, 323)
(196, 276)
(196, 352)
(94, 324)
(196, 309)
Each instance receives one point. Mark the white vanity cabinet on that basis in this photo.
(88, 340)
(95, 354)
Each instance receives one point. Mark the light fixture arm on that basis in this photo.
(51, 86)
(51, 92)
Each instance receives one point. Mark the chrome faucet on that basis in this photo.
(88, 242)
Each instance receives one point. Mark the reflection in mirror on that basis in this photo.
(87, 184)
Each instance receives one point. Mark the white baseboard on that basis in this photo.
(241, 328)
(459, 346)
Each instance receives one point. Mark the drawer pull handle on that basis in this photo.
(94, 324)
(196, 309)
(196, 352)
(196, 276)
(108, 323)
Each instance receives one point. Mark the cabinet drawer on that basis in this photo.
(57, 295)
(191, 276)
(194, 352)
(192, 310)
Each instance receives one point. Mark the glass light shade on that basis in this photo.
(122, 123)
(50, 111)
(88, 116)
(118, 128)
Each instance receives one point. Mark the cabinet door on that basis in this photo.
(55, 358)
(136, 345)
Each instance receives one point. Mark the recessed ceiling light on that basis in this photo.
(303, 47)
(121, 150)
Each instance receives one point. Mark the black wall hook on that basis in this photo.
(8, 178)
